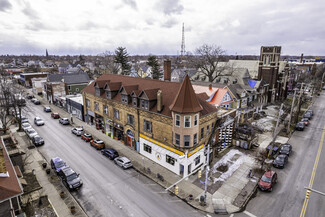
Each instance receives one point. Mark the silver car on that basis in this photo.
(31, 133)
(38, 121)
(123, 162)
(64, 121)
(77, 131)
(26, 126)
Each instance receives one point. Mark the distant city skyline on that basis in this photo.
(155, 27)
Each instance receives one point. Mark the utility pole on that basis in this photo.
(293, 102)
(275, 131)
(207, 169)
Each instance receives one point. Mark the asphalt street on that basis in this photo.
(287, 198)
(107, 190)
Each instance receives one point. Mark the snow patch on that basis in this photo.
(232, 165)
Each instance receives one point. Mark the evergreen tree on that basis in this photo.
(153, 63)
(121, 57)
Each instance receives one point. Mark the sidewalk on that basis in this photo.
(50, 184)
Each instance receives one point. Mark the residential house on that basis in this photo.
(10, 186)
(164, 121)
(178, 75)
(63, 67)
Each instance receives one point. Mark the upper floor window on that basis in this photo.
(147, 126)
(197, 160)
(135, 101)
(187, 121)
(177, 139)
(144, 104)
(177, 120)
(124, 99)
(87, 103)
(69, 87)
(187, 140)
(105, 109)
(117, 114)
(96, 106)
(97, 91)
(196, 117)
(108, 95)
(195, 139)
(202, 132)
(130, 119)
(208, 130)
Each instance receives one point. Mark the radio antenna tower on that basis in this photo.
(183, 42)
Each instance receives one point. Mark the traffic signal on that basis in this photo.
(176, 190)
(199, 174)
(308, 194)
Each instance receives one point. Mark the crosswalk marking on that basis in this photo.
(249, 214)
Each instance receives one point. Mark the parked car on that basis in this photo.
(123, 162)
(57, 164)
(77, 131)
(98, 144)
(87, 137)
(268, 180)
(31, 133)
(110, 153)
(70, 178)
(36, 102)
(280, 161)
(33, 100)
(47, 109)
(285, 150)
(26, 126)
(29, 96)
(37, 140)
(307, 115)
(55, 115)
(306, 121)
(287, 145)
(64, 121)
(24, 120)
(300, 126)
(38, 121)
(274, 149)
(310, 111)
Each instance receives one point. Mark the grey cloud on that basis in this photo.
(169, 23)
(35, 26)
(29, 11)
(5, 5)
(131, 3)
(169, 7)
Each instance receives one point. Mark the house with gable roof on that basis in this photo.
(10, 186)
(167, 122)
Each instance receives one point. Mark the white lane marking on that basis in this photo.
(232, 215)
(249, 214)
(160, 192)
(172, 201)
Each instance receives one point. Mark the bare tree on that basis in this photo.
(209, 60)
(108, 61)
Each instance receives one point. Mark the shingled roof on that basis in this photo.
(186, 100)
(9, 185)
(170, 91)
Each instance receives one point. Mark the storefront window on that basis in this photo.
(197, 160)
(170, 160)
(147, 148)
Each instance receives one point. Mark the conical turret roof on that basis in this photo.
(186, 100)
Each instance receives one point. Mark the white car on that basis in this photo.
(77, 131)
(26, 126)
(31, 133)
(123, 162)
(38, 121)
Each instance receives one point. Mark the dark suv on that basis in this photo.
(110, 153)
(70, 178)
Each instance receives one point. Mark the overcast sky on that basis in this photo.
(155, 26)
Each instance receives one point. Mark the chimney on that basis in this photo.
(159, 101)
(301, 58)
(210, 86)
(167, 70)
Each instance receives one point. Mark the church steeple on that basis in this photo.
(47, 54)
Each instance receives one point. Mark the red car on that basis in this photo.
(87, 137)
(55, 115)
(268, 181)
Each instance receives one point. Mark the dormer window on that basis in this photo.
(144, 104)
(187, 121)
(135, 102)
(124, 99)
(108, 95)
